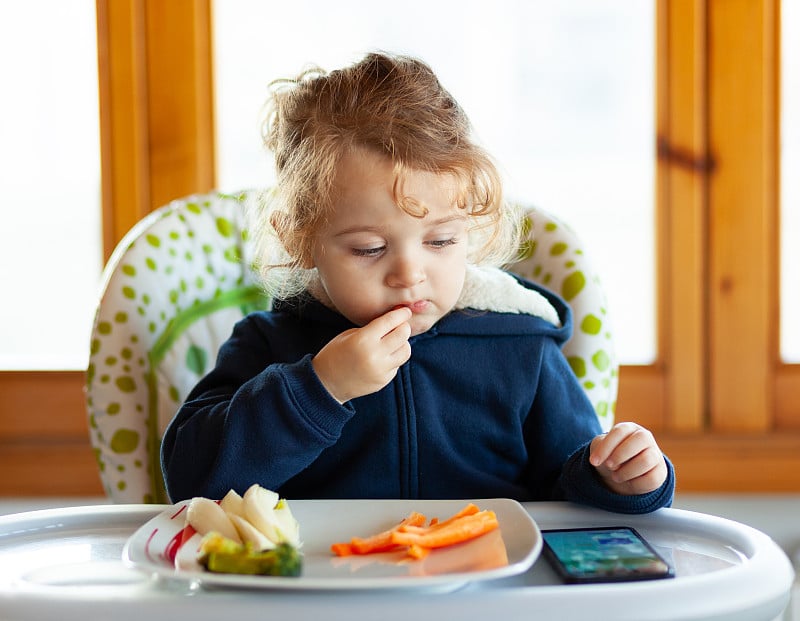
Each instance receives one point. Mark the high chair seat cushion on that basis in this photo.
(172, 291)
(553, 255)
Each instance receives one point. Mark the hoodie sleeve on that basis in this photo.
(250, 420)
(558, 432)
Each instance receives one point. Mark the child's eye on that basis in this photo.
(443, 243)
(368, 252)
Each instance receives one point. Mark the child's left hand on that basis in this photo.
(628, 459)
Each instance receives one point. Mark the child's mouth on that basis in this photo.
(415, 307)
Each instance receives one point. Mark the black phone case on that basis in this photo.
(633, 576)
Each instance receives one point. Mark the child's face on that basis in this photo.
(372, 256)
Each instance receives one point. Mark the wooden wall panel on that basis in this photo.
(641, 397)
(41, 468)
(44, 437)
(42, 404)
(764, 463)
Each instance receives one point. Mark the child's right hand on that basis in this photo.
(363, 360)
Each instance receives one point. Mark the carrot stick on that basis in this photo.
(417, 552)
(456, 531)
(373, 545)
(342, 549)
(418, 539)
(381, 542)
(469, 509)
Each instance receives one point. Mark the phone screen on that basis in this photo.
(608, 554)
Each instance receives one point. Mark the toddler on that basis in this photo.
(398, 360)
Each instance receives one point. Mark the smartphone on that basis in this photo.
(603, 554)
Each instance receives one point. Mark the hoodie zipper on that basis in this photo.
(407, 434)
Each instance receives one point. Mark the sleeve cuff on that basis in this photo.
(314, 401)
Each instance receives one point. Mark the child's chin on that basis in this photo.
(421, 325)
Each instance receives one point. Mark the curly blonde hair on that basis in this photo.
(388, 104)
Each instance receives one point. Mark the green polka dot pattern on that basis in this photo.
(552, 255)
(172, 291)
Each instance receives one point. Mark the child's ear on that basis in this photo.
(280, 222)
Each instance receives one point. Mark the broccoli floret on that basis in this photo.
(222, 555)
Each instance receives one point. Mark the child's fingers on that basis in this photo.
(653, 478)
(628, 459)
(646, 462)
(400, 356)
(384, 324)
(623, 442)
(632, 446)
(396, 342)
(602, 446)
(397, 345)
(397, 335)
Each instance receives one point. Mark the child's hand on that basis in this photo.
(363, 360)
(628, 459)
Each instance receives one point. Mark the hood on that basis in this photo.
(492, 289)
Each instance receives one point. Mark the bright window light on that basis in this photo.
(560, 92)
(50, 238)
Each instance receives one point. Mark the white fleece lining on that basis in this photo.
(492, 289)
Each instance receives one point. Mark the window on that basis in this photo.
(721, 393)
(50, 241)
(560, 93)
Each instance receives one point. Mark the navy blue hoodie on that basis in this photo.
(487, 406)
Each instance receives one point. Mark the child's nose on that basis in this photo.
(406, 271)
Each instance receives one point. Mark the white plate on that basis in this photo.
(160, 547)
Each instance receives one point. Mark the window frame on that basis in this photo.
(726, 425)
(740, 432)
